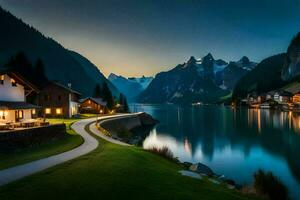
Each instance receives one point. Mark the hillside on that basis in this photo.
(61, 64)
(266, 76)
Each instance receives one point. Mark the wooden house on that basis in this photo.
(59, 100)
(92, 105)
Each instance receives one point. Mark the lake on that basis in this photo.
(233, 142)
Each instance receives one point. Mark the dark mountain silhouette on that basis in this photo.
(60, 64)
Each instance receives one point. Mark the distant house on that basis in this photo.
(280, 96)
(13, 91)
(92, 105)
(296, 98)
(59, 100)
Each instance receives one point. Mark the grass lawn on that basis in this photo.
(45, 150)
(116, 172)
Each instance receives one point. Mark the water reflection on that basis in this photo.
(234, 142)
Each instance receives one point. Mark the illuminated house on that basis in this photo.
(13, 92)
(296, 99)
(92, 105)
(58, 100)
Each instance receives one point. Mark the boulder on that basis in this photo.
(202, 169)
(147, 120)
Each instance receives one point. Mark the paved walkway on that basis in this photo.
(89, 144)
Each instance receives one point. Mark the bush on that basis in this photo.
(267, 184)
(164, 152)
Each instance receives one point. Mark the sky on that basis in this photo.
(144, 37)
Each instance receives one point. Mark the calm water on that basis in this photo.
(233, 142)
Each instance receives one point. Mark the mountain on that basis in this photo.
(266, 76)
(291, 66)
(143, 81)
(61, 64)
(130, 87)
(273, 73)
(189, 82)
(205, 79)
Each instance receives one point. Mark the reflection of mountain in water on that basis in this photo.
(197, 133)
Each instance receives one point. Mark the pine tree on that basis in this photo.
(22, 65)
(107, 96)
(125, 104)
(97, 91)
(39, 73)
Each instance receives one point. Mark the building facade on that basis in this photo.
(13, 91)
(92, 105)
(58, 100)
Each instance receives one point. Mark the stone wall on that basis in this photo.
(16, 139)
(130, 122)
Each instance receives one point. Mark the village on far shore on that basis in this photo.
(285, 99)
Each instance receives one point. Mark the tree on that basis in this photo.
(123, 102)
(39, 72)
(22, 65)
(107, 96)
(97, 91)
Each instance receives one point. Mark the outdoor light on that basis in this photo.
(101, 111)
(33, 111)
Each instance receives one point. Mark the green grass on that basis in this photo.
(29, 154)
(116, 172)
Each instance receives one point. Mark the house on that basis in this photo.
(280, 96)
(13, 92)
(59, 100)
(92, 105)
(296, 98)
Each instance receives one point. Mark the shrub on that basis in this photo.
(266, 184)
(164, 152)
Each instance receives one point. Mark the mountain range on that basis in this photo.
(61, 64)
(197, 80)
(130, 87)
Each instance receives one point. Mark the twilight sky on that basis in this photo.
(144, 37)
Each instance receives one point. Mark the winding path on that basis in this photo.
(89, 144)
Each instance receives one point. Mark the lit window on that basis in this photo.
(2, 79)
(33, 112)
(13, 83)
(3, 114)
(48, 110)
(20, 114)
(58, 111)
(89, 101)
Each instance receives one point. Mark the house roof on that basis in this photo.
(98, 101)
(65, 87)
(8, 105)
(18, 78)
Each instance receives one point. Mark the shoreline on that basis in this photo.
(192, 170)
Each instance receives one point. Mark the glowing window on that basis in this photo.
(20, 114)
(58, 111)
(89, 101)
(2, 79)
(33, 112)
(48, 110)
